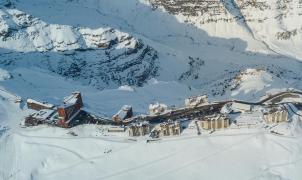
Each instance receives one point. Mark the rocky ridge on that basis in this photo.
(103, 57)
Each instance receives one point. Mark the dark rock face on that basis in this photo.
(102, 58)
(286, 35)
(195, 65)
(213, 10)
(98, 68)
(6, 3)
(192, 8)
(133, 67)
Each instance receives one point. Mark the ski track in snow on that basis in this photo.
(87, 160)
(57, 147)
(141, 166)
(199, 160)
(109, 139)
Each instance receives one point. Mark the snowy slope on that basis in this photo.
(139, 52)
(99, 57)
(185, 53)
(53, 154)
(275, 25)
(32, 34)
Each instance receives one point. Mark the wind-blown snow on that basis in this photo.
(37, 35)
(255, 80)
(4, 75)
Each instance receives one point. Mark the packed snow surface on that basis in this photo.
(254, 80)
(52, 153)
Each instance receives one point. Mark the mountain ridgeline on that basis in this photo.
(103, 57)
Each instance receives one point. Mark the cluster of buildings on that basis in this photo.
(235, 114)
(168, 128)
(60, 115)
(275, 115)
(240, 114)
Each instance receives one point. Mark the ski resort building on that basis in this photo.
(125, 113)
(139, 129)
(70, 109)
(168, 128)
(196, 101)
(239, 107)
(115, 129)
(213, 122)
(39, 117)
(50, 114)
(157, 108)
(36, 105)
(275, 115)
(244, 120)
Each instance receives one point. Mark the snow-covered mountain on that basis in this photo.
(275, 24)
(139, 52)
(201, 45)
(99, 57)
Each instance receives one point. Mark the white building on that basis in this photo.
(275, 115)
(157, 108)
(116, 129)
(239, 107)
(247, 119)
(196, 101)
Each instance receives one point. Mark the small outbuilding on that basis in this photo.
(116, 129)
(157, 108)
(196, 101)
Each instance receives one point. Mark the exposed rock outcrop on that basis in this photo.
(103, 57)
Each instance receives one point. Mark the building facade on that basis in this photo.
(125, 113)
(36, 105)
(169, 128)
(70, 109)
(139, 129)
(213, 122)
(275, 115)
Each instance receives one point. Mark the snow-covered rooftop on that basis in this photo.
(45, 104)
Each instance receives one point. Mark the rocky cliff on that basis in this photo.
(275, 24)
(102, 57)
